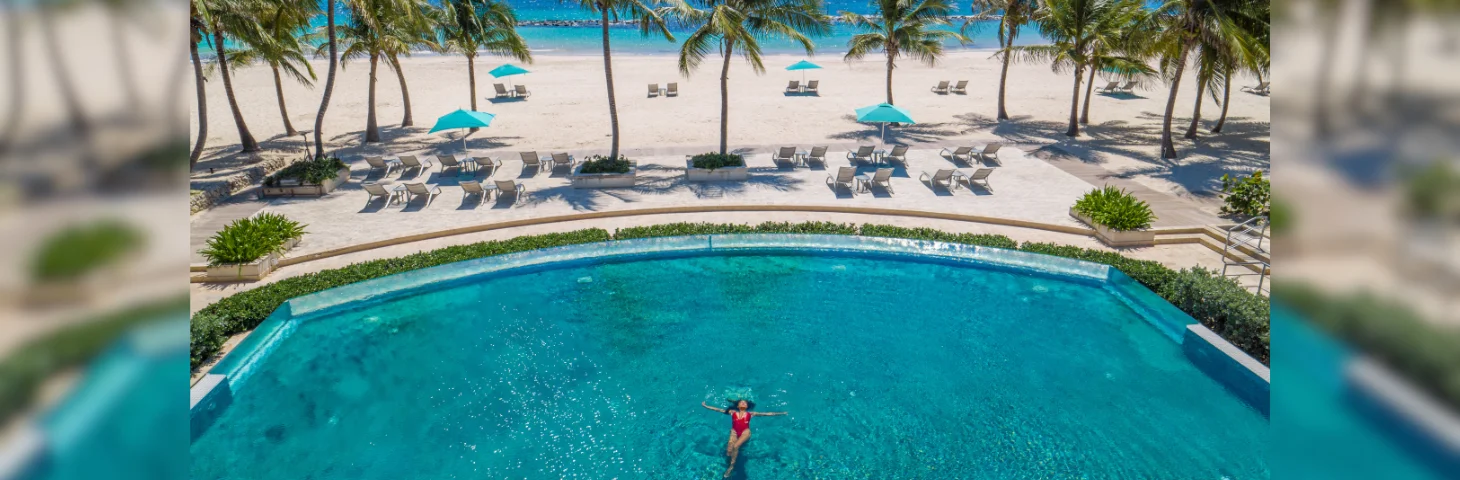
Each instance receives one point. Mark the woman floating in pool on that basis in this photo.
(739, 428)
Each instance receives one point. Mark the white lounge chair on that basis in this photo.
(1129, 87)
(961, 87)
(898, 153)
(488, 163)
(471, 187)
(943, 177)
(375, 190)
(502, 90)
(942, 87)
(844, 176)
(414, 190)
(653, 90)
(521, 91)
(979, 177)
(883, 178)
(818, 154)
(1111, 87)
(1262, 88)
(518, 191)
(530, 159)
(563, 160)
(449, 161)
(811, 87)
(786, 154)
(673, 90)
(378, 163)
(794, 87)
(990, 154)
(961, 153)
(410, 161)
(863, 154)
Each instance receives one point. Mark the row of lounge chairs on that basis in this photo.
(948, 178)
(943, 89)
(519, 91)
(405, 162)
(989, 154)
(409, 191)
(1116, 87)
(810, 87)
(671, 91)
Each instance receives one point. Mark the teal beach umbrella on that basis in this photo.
(803, 66)
(884, 113)
(463, 119)
(507, 70)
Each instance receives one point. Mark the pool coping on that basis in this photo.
(1215, 357)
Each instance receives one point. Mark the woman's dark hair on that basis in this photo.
(735, 403)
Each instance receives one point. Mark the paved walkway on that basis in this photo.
(1170, 210)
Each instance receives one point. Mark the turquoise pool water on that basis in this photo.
(889, 369)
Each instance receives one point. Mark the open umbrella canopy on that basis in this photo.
(507, 70)
(462, 119)
(884, 112)
(803, 65)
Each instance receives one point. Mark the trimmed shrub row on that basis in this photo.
(1219, 303)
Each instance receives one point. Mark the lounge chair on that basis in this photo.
(563, 160)
(410, 161)
(529, 159)
(990, 154)
(883, 178)
(1262, 88)
(1129, 87)
(794, 87)
(502, 90)
(961, 87)
(487, 163)
(942, 88)
(414, 190)
(518, 191)
(378, 163)
(961, 153)
(898, 153)
(471, 187)
(449, 161)
(787, 154)
(943, 177)
(673, 90)
(818, 154)
(521, 92)
(375, 190)
(979, 177)
(844, 176)
(1111, 87)
(863, 154)
(653, 90)
(811, 86)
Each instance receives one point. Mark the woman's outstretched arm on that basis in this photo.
(767, 414)
(721, 410)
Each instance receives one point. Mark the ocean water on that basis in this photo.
(549, 40)
(888, 369)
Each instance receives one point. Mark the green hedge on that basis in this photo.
(1246, 327)
(1418, 350)
(24, 370)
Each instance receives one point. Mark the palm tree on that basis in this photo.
(233, 19)
(1074, 28)
(379, 29)
(737, 25)
(276, 44)
(329, 79)
(197, 30)
(1252, 55)
(649, 21)
(1187, 22)
(418, 27)
(475, 25)
(902, 28)
(1122, 48)
(1013, 14)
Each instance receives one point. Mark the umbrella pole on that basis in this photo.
(464, 151)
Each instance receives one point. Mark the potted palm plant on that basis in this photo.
(249, 248)
(1118, 218)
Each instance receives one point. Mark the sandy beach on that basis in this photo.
(568, 112)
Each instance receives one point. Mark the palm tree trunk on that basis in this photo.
(890, 53)
(245, 139)
(1089, 88)
(202, 102)
(63, 77)
(471, 77)
(329, 80)
(283, 111)
(1004, 72)
(405, 93)
(1201, 83)
(1168, 145)
(608, 77)
(124, 61)
(725, 98)
(1324, 83)
(372, 129)
(11, 119)
(1074, 130)
(1226, 101)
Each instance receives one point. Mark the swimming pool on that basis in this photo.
(892, 365)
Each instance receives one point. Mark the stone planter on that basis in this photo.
(320, 190)
(605, 180)
(1114, 238)
(721, 174)
(249, 272)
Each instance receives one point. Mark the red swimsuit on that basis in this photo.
(739, 424)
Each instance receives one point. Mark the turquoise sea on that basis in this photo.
(626, 40)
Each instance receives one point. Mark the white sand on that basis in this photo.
(568, 111)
